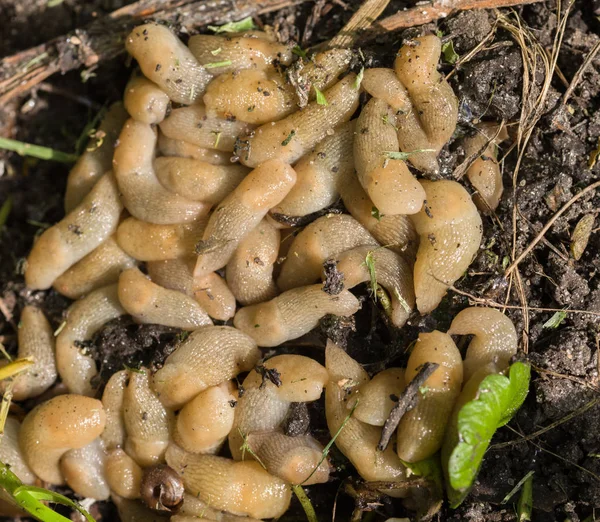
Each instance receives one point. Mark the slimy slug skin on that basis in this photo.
(484, 173)
(254, 96)
(289, 139)
(242, 52)
(99, 268)
(358, 440)
(11, 453)
(97, 157)
(389, 183)
(395, 232)
(84, 318)
(241, 488)
(421, 430)
(432, 97)
(123, 474)
(292, 314)
(320, 174)
(208, 357)
(150, 303)
(166, 61)
(376, 396)
(325, 237)
(87, 226)
(147, 421)
(494, 338)
(145, 101)
(195, 125)
(36, 339)
(212, 293)
(240, 212)
(54, 427)
(249, 272)
(182, 149)
(450, 231)
(83, 469)
(151, 242)
(198, 180)
(143, 195)
(112, 400)
(393, 273)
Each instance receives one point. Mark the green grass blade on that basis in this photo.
(305, 502)
(5, 210)
(36, 151)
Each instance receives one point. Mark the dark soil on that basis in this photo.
(565, 459)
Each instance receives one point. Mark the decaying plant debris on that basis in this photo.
(554, 169)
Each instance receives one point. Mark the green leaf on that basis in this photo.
(289, 138)
(321, 100)
(234, 27)
(497, 399)
(404, 155)
(29, 498)
(298, 51)
(370, 262)
(375, 213)
(359, 78)
(556, 320)
(214, 65)
(450, 55)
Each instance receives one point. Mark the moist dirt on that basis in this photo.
(566, 458)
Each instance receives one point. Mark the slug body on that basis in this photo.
(450, 229)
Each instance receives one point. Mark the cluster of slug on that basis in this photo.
(162, 192)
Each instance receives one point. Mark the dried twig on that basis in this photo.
(360, 21)
(423, 14)
(103, 39)
(406, 402)
(579, 74)
(551, 221)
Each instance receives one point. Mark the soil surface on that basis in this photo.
(555, 166)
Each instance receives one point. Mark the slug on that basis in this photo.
(143, 195)
(208, 357)
(166, 61)
(421, 430)
(450, 231)
(99, 268)
(150, 303)
(84, 318)
(391, 271)
(56, 426)
(484, 173)
(112, 400)
(87, 226)
(204, 423)
(83, 469)
(357, 441)
(292, 137)
(97, 157)
(145, 101)
(292, 314)
(242, 488)
(249, 271)
(240, 212)
(325, 237)
(494, 338)
(182, 149)
(123, 474)
(395, 232)
(238, 52)
(376, 396)
(320, 174)
(11, 453)
(196, 126)
(150, 242)
(36, 340)
(389, 183)
(147, 421)
(198, 180)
